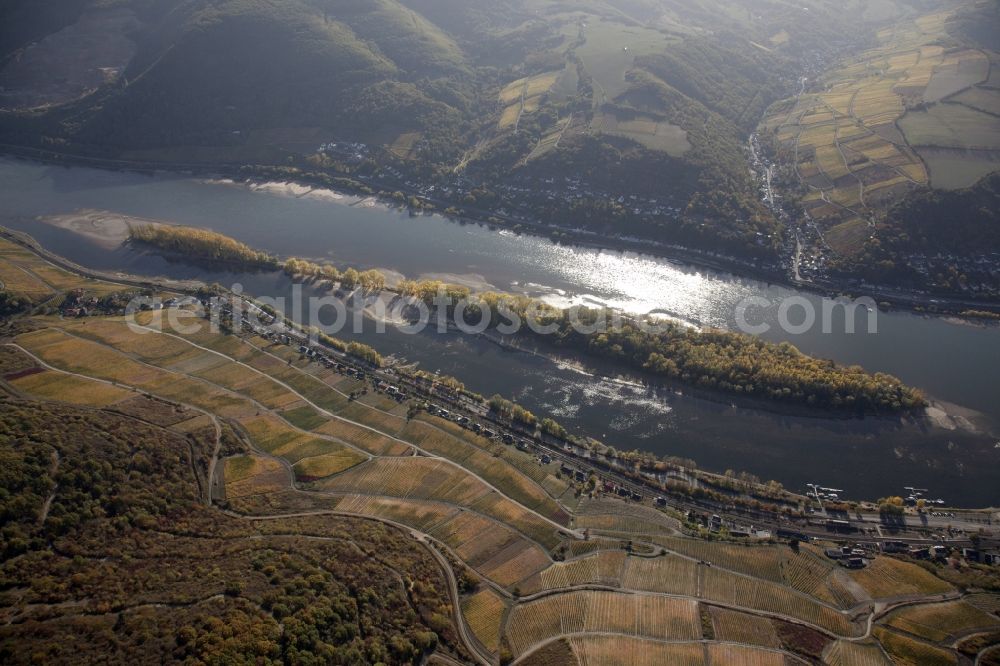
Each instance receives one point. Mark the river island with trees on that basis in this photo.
(713, 360)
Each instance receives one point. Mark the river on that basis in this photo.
(953, 362)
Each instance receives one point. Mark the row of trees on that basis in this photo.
(201, 244)
(351, 278)
(512, 411)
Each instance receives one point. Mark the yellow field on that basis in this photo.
(531, 86)
(73, 390)
(416, 478)
(247, 476)
(490, 461)
(524, 96)
(753, 594)
(906, 651)
(192, 425)
(408, 512)
(87, 358)
(531, 104)
(24, 272)
(846, 653)
(608, 650)
(492, 549)
(735, 627)
(637, 615)
(889, 577)
(515, 563)
(940, 622)
(19, 281)
(861, 110)
(484, 611)
(848, 196)
(602, 568)
(822, 135)
(669, 575)
(509, 116)
(505, 510)
(318, 467)
(368, 440)
(736, 655)
(767, 562)
(831, 162)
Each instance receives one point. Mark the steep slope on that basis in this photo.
(211, 72)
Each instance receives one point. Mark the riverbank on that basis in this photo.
(933, 305)
(865, 457)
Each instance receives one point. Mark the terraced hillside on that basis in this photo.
(304, 456)
(917, 110)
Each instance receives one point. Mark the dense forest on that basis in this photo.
(104, 531)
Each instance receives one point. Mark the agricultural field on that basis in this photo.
(735, 627)
(615, 517)
(889, 577)
(598, 650)
(525, 96)
(50, 385)
(750, 593)
(535, 583)
(953, 169)
(847, 653)
(514, 563)
(903, 114)
(324, 465)
(253, 475)
(414, 513)
(484, 613)
(20, 281)
(492, 462)
(981, 99)
(668, 575)
(368, 440)
(805, 571)
(650, 132)
(25, 273)
(849, 236)
(609, 51)
(413, 478)
(404, 144)
(987, 602)
(906, 651)
(602, 568)
(952, 126)
(617, 524)
(743, 656)
(641, 616)
(944, 622)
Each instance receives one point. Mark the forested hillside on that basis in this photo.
(109, 555)
(625, 117)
